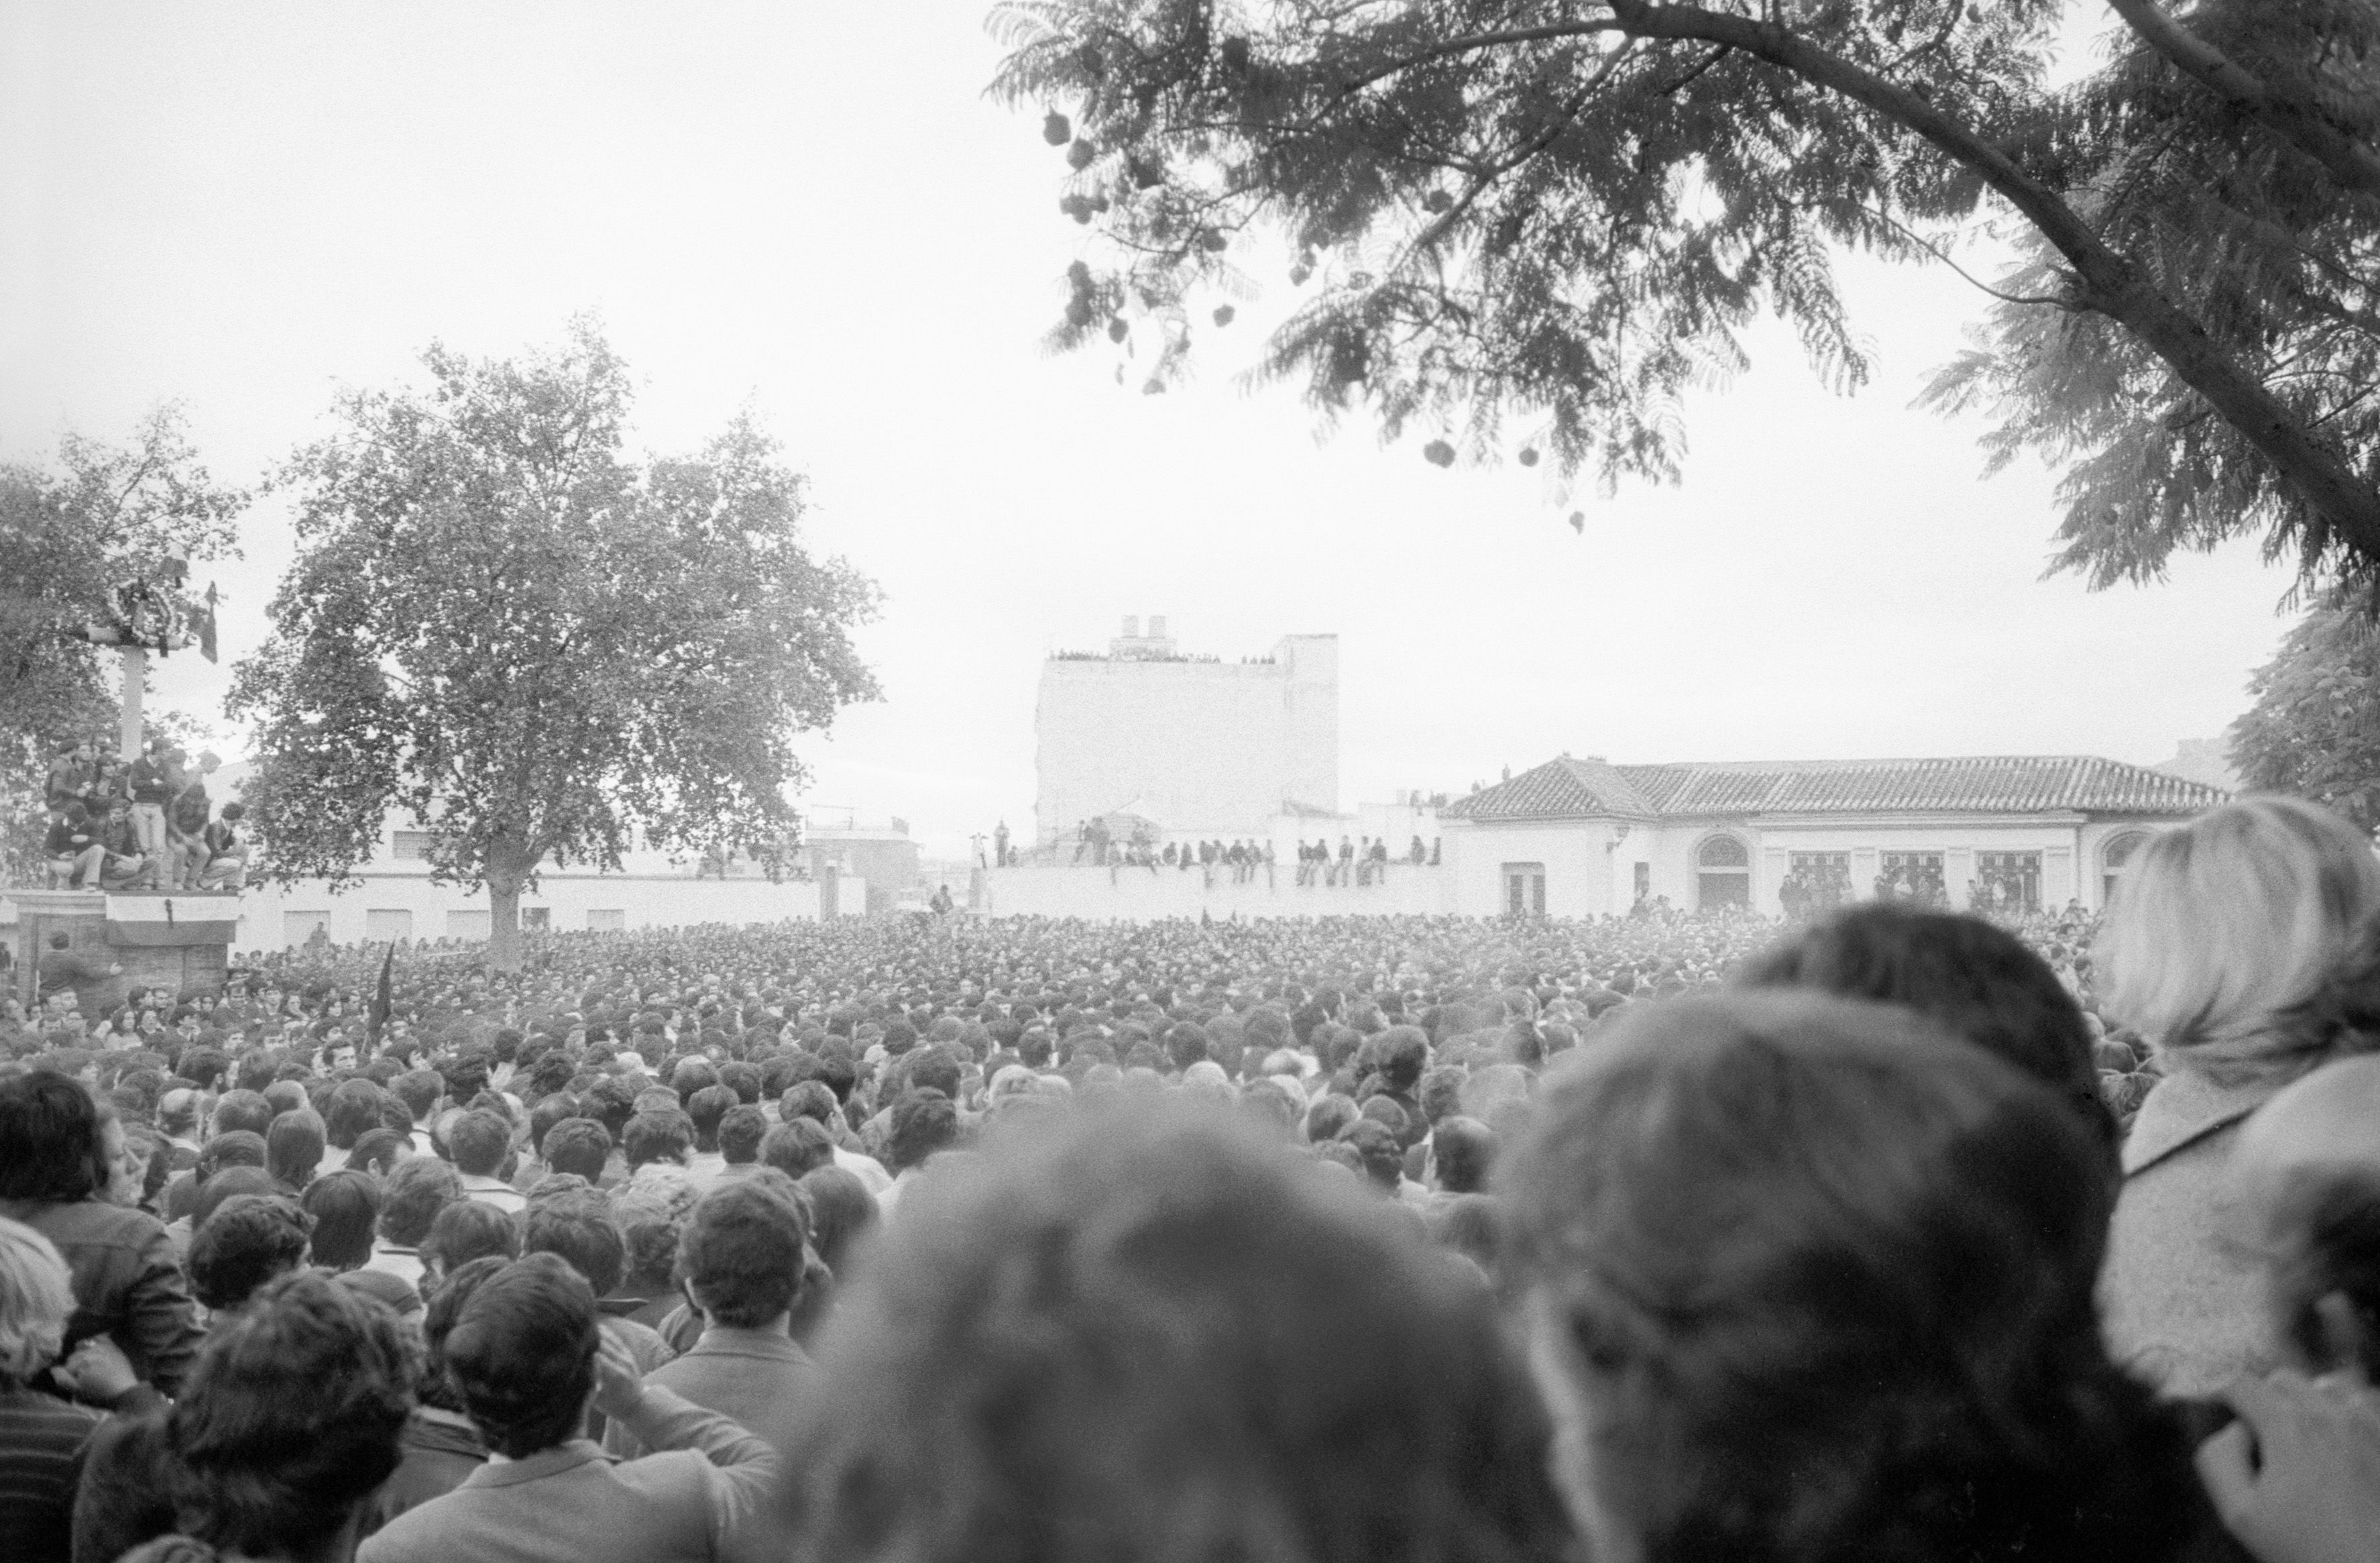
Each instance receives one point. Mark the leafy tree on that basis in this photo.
(70, 531)
(1534, 224)
(2313, 728)
(500, 626)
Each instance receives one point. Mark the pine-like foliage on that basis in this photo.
(2313, 728)
(1531, 225)
(2277, 263)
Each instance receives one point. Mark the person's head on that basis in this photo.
(293, 1148)
(1812, 1279)
(741, 1130)
(479, 1142)
(577, 1146)
(344, 1207)
(579, 1228)
(521, 1355)
(289, 1420)
(51, 1144)
(1975, 978)
(1099, 1319)
(740, 1255)
(36, 1298)
(239, 1111)
(666, 1135)
(1377, 1150)
(923, 1123)
(443, 1306)
(706, 1108)
(416, 1190)
(841, 1213)
(377, 1151)
(2242, 944)
(352, 1111)
(798, 1146)
(1464, 1150)
(2305, 1197)
(247, 1241)
(468, 1229)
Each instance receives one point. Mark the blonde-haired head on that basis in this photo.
(2229, 941)
(36, 1296)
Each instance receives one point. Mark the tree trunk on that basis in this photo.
(503, 917)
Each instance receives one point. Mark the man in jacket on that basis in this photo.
(528, 1356)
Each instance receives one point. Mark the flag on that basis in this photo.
(382, 1002)
(207, 627)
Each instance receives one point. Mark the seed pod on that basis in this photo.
(1056, 130)
(1438, 452)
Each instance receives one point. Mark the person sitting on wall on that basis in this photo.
(226, 854)
(125, 865)
(71, 850)
(186, 825)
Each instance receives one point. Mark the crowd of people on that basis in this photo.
(1885, 1234)
(1244, 860)
(142, 823)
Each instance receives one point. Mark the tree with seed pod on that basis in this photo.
(1561, 216)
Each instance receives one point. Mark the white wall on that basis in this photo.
(275, 917)
(1135, 894)
(1207, 748)
(2071, 848)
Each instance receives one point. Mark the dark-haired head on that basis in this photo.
(289, 1420)
(468, 1229)
(1974, 978)
(249, 1241)
(1812, 1279)
(521, 1355)
(50, 1145)
(345, 1208)
(741, 1254)
(841, 1213)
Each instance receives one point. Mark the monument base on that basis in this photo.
(177, 941)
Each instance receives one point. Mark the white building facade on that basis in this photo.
(1196, 747)
(1584, 838)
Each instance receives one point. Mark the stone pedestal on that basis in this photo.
(178, 942)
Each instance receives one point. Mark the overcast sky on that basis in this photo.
(813, 208)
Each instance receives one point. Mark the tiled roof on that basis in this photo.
(2017, 784)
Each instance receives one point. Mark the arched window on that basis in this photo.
(2113, 854)
(1723, 851)
(1722, 873)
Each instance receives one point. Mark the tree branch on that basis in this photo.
(2350, 163)
(1477, 41)
(2344, 508)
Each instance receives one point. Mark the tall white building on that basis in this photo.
(1196, 746)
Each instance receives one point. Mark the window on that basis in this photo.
(466, 924)
(2007, 882)
(537, 917)
(1815, 882)
(1722, 873)
(1524, 889)
(607, 919)
(1912, 877)
(383, 923)
(296, 927)
(2114, 856)
(1644, 886)
(409, 845)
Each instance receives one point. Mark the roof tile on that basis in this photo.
(1567, 788)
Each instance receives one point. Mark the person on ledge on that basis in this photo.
(72, 849)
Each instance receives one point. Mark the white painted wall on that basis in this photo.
(1135, 894)
(1206, 748)
(276, 917)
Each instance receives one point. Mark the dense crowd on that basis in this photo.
(1888, 1234)
(142, 823)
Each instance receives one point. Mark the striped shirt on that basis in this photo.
(42, 1444)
